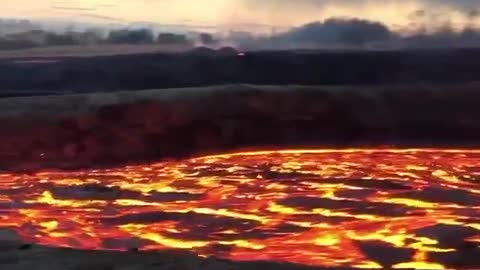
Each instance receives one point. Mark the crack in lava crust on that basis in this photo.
(353, 208)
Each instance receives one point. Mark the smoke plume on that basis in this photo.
(353, 33)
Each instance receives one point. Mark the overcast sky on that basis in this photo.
(394, 13)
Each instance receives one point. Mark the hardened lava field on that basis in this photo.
(352, 208)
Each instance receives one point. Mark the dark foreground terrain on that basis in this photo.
(15, 255)
(84, 130)
(37, 75)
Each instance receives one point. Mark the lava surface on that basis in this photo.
(353, 208)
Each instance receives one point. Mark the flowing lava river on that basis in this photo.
(346, 208)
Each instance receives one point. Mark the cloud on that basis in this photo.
(466, 5)
(460, 4)
(72, 8)
(335, 33)
(390, 12)
(355, 32)
(100, 17)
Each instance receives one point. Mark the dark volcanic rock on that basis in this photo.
(384, 254)
(353, 207)
(468, 256)
(227, 51)
(454, 196)
(450, 236)
(202, 51)
(9, 240)
(204, 66)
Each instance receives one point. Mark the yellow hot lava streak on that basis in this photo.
(316, 207)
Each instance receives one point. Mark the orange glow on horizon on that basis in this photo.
(227, 14)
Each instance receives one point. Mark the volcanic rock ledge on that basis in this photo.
(85, 130)
(15, 255)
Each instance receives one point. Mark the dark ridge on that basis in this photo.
(205, 67)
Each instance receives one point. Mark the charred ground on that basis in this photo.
(205, 67)
(104, 128)
(404, 98)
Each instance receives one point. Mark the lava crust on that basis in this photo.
(417, 208)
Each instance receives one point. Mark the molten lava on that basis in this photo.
(353, 208)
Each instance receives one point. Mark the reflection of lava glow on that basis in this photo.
(360, 208)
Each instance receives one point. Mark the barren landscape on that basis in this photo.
(90, 51)
(272, 152)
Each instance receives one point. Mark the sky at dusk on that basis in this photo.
(231, 13)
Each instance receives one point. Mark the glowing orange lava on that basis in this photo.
(352, 208)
